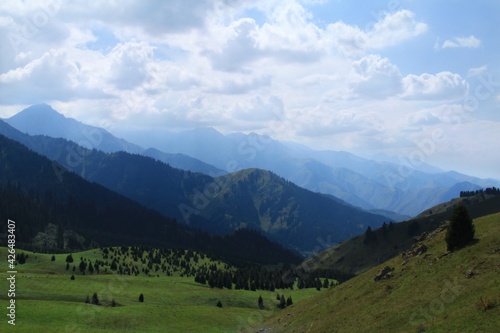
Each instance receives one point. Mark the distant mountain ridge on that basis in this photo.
(365, 183)
(42, 119)
(256, 199)
(361, 182)
(35, 196)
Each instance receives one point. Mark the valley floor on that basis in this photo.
(47, 300)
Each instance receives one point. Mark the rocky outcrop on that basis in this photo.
(384, 274)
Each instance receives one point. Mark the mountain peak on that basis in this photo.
(41, 111)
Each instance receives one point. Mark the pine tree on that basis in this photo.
(82, 267)
(289, 301)
(141, 298)
(53, 258)
(69, 258)
(282, 302)
(370, 236)
(261, 303)
(461, 229)
(219, 304)
(95, 299)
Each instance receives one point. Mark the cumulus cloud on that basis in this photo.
(128, 64)
(394, 28)
(441, 86)
(468, 42)
(375, 77)
(54, 76)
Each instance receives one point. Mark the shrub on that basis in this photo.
(219, 304)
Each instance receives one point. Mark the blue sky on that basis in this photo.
(415, 79)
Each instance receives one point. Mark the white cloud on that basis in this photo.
(393, 29)
(477, 71)
(469, 42)
(375, 77)
(441, 86)
(128, 64)
(54, 76)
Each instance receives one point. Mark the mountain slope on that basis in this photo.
(42, 119)
(39, 196)
(356, 256)
(295, 217)
(287, 213)
(369, 184)
(432, 293)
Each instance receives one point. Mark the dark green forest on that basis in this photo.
(36, 192)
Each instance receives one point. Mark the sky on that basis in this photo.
(418, 80)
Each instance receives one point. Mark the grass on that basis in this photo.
(49, 301)
(420, 297)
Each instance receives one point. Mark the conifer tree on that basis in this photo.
(282, 302)
(461, 229)
(141, 298)
(261, 303)
(95, 299)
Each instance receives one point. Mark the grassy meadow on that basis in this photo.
(47, 300)
(433, 292)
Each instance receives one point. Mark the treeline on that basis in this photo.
(258, 278)
(81, 215)
(489, 191)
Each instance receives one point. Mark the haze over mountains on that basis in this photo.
(369, 184)
(252, 198)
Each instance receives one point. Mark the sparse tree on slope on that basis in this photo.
(461, 229)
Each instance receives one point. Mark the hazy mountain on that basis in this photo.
(385, 184)
(42, 119)
(285, 212)
(182, 161)
(36, 192)
(258, 199)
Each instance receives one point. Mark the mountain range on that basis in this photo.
(295, 217)
(369, 184)
(42, 119)
(41, 198)
(219, 183)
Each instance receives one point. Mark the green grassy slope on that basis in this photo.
(354, 256)
(47, 300)
(430, 293)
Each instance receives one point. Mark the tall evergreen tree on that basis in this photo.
(461, 229)
(261, 303)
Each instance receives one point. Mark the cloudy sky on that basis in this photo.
(415, 79)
